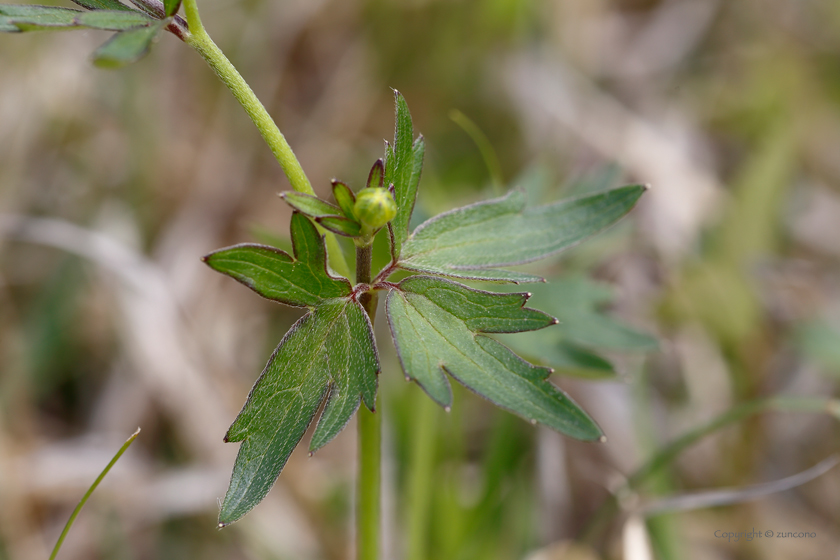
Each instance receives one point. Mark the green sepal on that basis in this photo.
(345, 199)
(113, 20)
(300, 281)
(127, 47)
(472, 241)
(449, 319)
(327, 356)
(403, 164)
(340, 225)
(171, 7)
(376, 177)
(309, 204)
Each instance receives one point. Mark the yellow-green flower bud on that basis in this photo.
(375, 207)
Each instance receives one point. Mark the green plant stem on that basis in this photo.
(198, 39)
(204, 45)
(665, 456)
(368, 488)
(90, 491)
(421, 475)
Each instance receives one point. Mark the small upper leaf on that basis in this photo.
(436, 325)
(301, 281)
(340, 225)
(127, 46)
(328, 355)
(469, 242)
(403, 164)
(310, 205)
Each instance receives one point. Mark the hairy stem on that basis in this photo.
(198, 39)
(204, 45)
(370, 440)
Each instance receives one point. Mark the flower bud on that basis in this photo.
(375, 207)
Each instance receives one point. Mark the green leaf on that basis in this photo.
(171, 7)
(127, 46)
(469, 242)
(113, 20)
(403, 164)
(340, 225)
(345, 199)
(33, 18)
(103, 5)
(329, 355)
(310, 205)
(437, 326)
(301, 281)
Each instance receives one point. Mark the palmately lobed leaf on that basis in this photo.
(328, 355)
(472, 241)
(436, 326)
(301, 281)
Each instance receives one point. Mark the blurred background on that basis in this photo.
(721, 287)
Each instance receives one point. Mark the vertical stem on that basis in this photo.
(198, 39)
(421, 475)
(368, 490)
(204, 45)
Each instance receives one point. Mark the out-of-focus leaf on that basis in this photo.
(437, 326)
(470, 242)
(549, 348)
(820, 342)
(33, 18)
(310, 205)
(103, 5)
(583, 328)
(403, 164)
(113, 20)
(345, 199)
(340, 225)
(329, 355)
(577, 301)
(302, 281)
(127, 46)
(171, 7)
